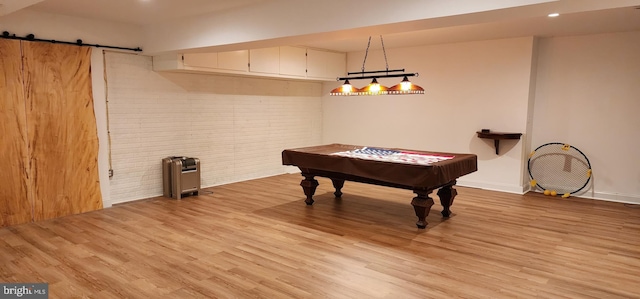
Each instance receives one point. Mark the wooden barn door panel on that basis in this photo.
(15, 207)
(62, 134)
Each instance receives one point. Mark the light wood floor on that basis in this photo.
(257, 239)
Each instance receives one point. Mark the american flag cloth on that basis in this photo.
(395, 156)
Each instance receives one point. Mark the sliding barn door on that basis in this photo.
(15, 207)
(61, 130)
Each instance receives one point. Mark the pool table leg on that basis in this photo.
(309, 185)
(422, 205)
(447, 194)
(337, 183)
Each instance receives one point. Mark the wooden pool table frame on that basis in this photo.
(421, 203)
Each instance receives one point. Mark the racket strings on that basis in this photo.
(560, 168)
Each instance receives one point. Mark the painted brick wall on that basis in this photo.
(236, 126)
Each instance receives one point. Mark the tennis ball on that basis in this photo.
(566, 195)
(547, 192)
(554, 193)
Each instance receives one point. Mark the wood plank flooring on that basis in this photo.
(257, 239)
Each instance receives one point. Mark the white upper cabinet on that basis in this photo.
(168, 62)
(265, 60)
(234, 60)
(205, 60)
(285, 62)
(293, 61)
(325, 64)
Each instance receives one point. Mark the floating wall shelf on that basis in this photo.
(497, 136)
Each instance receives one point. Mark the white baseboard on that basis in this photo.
(515, 189)
(614, 197)
(589, 194)
(493, 187)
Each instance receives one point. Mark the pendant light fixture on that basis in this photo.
(405, 87)
(345, 90)
(375, 88)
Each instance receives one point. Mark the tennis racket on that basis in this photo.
(559, 169)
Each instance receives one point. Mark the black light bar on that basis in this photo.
(382, 74)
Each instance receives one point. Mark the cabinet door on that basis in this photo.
(206, 60)
(264, 60)
(336, 65)
(325, 64)
(168, 62)
(293, 61)
(234, 60)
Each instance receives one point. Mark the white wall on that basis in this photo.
(581, 90)
(236, 126)
(468, 87)
(588, 95)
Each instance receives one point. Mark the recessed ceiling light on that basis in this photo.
(553, 15)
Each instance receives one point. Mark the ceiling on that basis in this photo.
(138, 12)
(424, 32)
(591, 22)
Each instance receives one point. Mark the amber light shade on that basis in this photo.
(345, 90)
(405, 87)
(374, 88)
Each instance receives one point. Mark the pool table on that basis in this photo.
(342, 162)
